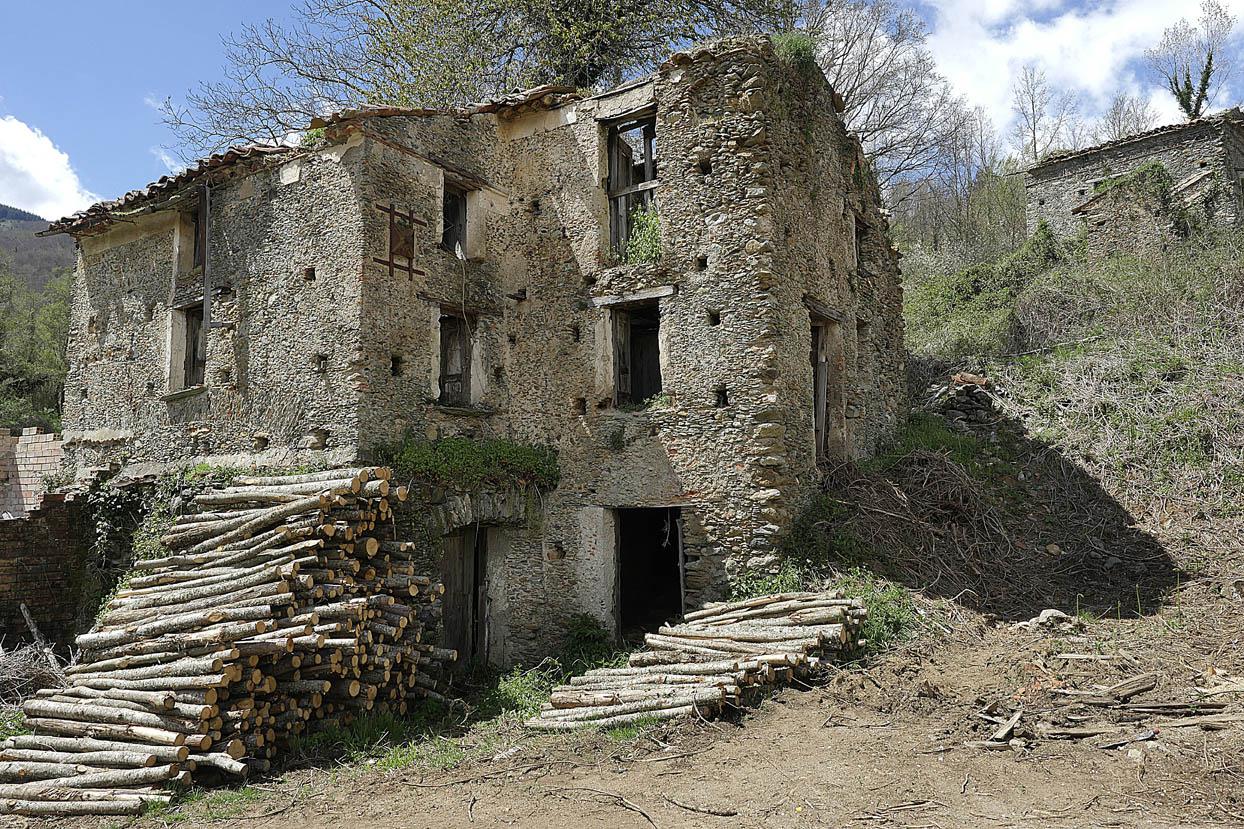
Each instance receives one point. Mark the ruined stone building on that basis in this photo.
(1199, 181)
(474, 272)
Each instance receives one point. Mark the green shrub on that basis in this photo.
(12, 722)
(644, 242)
(892, 615)
(466, 465)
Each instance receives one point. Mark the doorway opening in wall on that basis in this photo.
(829, 388)
(637, 352)
(465, 604)
(650, 569)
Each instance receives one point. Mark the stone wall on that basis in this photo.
(769, 222)
(1056, 188)
(43, 559)
(26, 456)
(285, 254)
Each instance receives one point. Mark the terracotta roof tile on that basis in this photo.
(1234, 115)
(166, 185)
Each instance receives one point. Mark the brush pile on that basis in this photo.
(723, 655)
(280, 609)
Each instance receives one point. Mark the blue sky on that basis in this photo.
(77, 78)
(81, 73)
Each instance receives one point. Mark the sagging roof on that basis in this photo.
(101, 213)
(547, 96)
(539, 97)
(1233, 115)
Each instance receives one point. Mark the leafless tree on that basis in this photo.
(1192, 59)
(1045, 120)
(1126, 115)
(875, 55)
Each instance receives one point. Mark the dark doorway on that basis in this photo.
(649, 569)
(464, 623)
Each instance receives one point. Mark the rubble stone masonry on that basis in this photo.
(329, 284)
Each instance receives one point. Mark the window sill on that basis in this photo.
(183, 394)
(464, 410)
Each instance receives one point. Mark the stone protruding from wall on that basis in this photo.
(42, 562)
(26, 456)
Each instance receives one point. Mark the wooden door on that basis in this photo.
(622, 356)
(464, 619)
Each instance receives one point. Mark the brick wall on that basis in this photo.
(25, 457)
(43, 563)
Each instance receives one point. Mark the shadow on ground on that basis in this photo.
(1004, 524)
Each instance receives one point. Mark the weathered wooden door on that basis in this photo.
(464, 620)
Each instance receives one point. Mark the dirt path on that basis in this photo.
(883, 747)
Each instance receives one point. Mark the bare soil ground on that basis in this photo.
(1159, 588)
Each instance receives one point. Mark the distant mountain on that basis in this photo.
(32, 259)
(12, 214)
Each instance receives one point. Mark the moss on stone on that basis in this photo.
(467, 465)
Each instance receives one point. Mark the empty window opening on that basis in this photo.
(225, 376)
(498, 373)
(396, 365)
(632, 176)
(637, 352)
(650, 582)
(722, 397)
(465, 602)
(714, 318)
(85, 393)
(454, 214)
(455, 378)
(828, 388)
(189, 359)
(1083, 192)
(261, 442)
(701, 262)
(319, 363)
(1041, 202)
(308, 274)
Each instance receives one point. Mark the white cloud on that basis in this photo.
(169, 161)
(35, 175)
(1090, 47)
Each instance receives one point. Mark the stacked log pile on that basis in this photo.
(281, 608)
(724, 655)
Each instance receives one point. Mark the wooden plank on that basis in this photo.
(636, 296)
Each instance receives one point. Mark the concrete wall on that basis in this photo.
(26, 456)
(1055, 189)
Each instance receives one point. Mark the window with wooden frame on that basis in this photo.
(455, 368)
(637, 352)
(187, 361)
(632, 178)
(454, 216)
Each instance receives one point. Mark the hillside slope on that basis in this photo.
(33, 260)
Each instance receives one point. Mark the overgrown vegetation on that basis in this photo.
(644, 242)
(973, 310)
(796, 48)
(465, 464)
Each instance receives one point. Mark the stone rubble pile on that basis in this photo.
(280, 610)
(964, 399)
(723, 655)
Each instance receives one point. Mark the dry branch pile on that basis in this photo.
(719, 656)
(280, 609)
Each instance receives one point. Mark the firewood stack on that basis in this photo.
(280, 609)
(722, 655)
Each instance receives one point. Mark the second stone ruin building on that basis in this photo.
(684, 285)
(1142, 192)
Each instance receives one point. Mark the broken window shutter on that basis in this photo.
(622, 354)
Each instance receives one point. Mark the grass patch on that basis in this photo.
(796, 48)
(930, 432)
